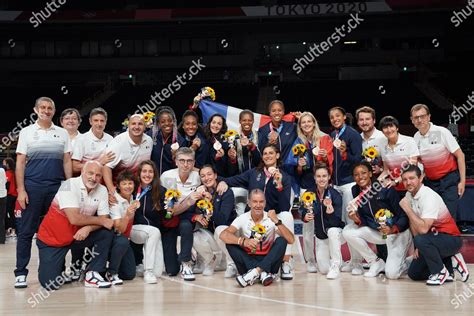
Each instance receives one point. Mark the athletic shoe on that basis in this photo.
(114, 279)
(248, 278)
(333, 272)
(198, 267)
(375, 268)
(353, 268)
(450, 278)
(149, 277)
(187, 271)
(286, 271)
(67, 278)
(140, 270)
(460, 266)
(20, 282)
(311, 267)
(94, 279)
(231, 271)
(438, 278)
(266, 278)
(210, 267)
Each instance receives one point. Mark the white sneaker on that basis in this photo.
(438, 278)
(311, 267)
(114, 279)
(266, 278)
(333, 272)
(20, 282)
(286, 271)
(375, 268)
(149, 277)
(187, 271)
(140, 270)
(231, 271)
(248, 278)
(354, 268)
(94, 279)
(460, 266)
(346, 266)
(198, 267)
(210, 267)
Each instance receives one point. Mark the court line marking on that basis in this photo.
(264, 299)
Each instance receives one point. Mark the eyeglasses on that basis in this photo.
(186, 161)
(419, 117)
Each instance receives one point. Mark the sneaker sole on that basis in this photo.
(21, 286)
(287, 278)
(93, 285)
(240, 280)
(267, 281)
(189, 279)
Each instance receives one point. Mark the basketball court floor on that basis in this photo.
(307, 294)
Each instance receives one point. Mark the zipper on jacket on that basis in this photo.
(144, 207)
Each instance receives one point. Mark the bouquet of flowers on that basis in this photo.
(206, 208)
(258, 233)
(277, 178)
(385, 218)
(206, 93)
(298, 151)
(230, 136)
(149, 118)
(171, 197)
(307, 199)
(125, 124)
(371, 155)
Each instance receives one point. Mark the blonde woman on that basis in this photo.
(318, 148)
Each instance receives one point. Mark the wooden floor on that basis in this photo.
(307, 294)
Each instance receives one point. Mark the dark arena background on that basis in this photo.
(119, 54)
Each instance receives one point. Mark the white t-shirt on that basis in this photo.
(88, 147)
(377, 140)
(128, 155)
(429, 205)
(119, 209)
(244, 224)
(436, 151)
(170, 180)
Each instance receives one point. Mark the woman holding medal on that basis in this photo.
(276, 184)
(244, 156)
(323, 210)
(347, 151)
(217, 153)
(147, 220)
(319, 148)
(210, 225)
(193, 137)
(369, 199)
(121, 258)
(166, 139)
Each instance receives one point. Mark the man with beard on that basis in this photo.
(71, 223)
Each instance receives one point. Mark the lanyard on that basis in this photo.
(340, 132)
(141, 193)
(278, 130)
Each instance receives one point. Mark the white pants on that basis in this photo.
(287, 220)
(346, 192)
(150, 237)
(397, 246)
(308, 241)
(207, 247)
(328, 251)
(240, 197)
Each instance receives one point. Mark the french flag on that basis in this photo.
(231, 114)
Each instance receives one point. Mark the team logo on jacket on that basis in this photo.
(434, 138)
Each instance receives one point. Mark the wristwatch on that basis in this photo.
(278, 223)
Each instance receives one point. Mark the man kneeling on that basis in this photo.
(71, 224)
(255, 251)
